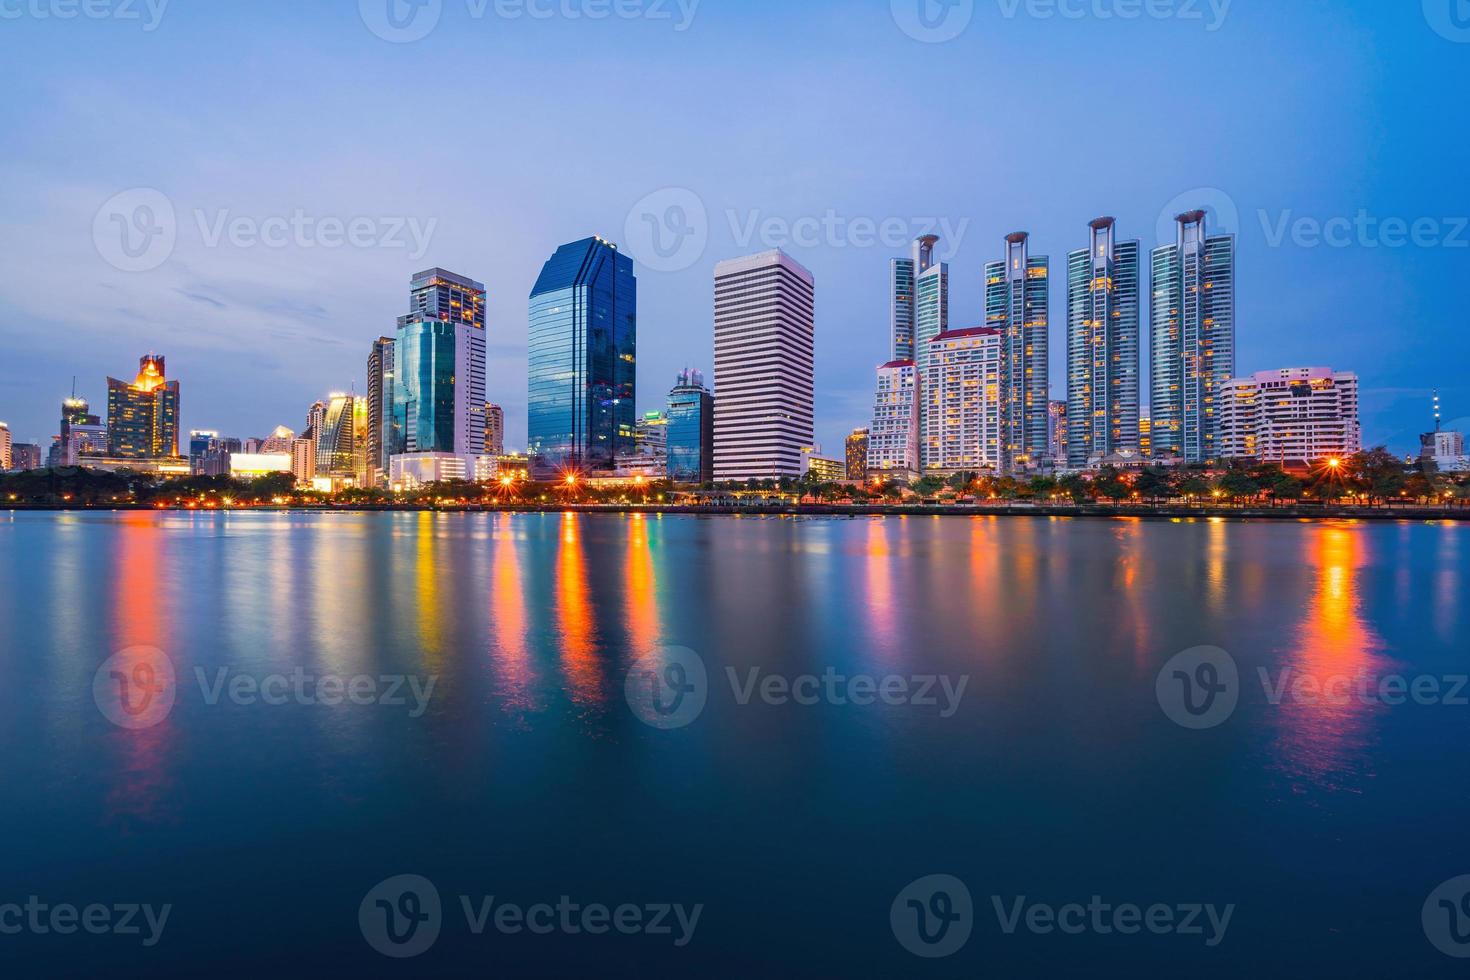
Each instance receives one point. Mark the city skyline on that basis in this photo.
(293, 319)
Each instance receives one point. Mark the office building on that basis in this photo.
(965, 382)
(199, 441)
(85, 442)
(74, 411)
(1145, 435)
(494, 431)
(857, 455)
(690, 452)
(1192, 337)
(765, 347)
(380, 407)
(437, 294)
(893, 438)
(1017, 303)
(1294, 417)
(143, 416)
(5, 444)
(303, 461)
(25, 456)
(1103, 347)
(341, 444)
(583, 360)
(437, 370)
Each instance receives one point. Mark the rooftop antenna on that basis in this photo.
(1436, 411)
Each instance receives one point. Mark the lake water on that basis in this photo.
(232, 715)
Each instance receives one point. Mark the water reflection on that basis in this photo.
(508, 649)
(1325, 725)
(642, 589)
(575, 626)
(141, 779)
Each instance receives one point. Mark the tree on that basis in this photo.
(927, 486)
(1075, 487)
(1377, 473)
(1153, 485)
(1237, 485)
(1109, 484)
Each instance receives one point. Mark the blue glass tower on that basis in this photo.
(691, 413)
(583, 356)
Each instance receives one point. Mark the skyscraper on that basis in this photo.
(583, 359)
(893, 438)
(1192, 336)
(74, 412)
(143, 417)
(379, 408)
(1294, 417)
(931, 318)
(341, 443)
(436, 410)
(1017, 303)
(437, 294)
(494, 430)
(765, 344)
(4, 447)
(963, 389)
(904, 280)
(691, 430)
(1103, 344)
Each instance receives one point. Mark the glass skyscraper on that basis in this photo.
(583, 359)
(1017, 303)
(1103, 345)
(904, 278)
(1192, 337)
(437, 371)
(691, 430)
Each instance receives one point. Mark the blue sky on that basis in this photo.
(500, 135)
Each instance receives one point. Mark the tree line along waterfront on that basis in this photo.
(1370, 480)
